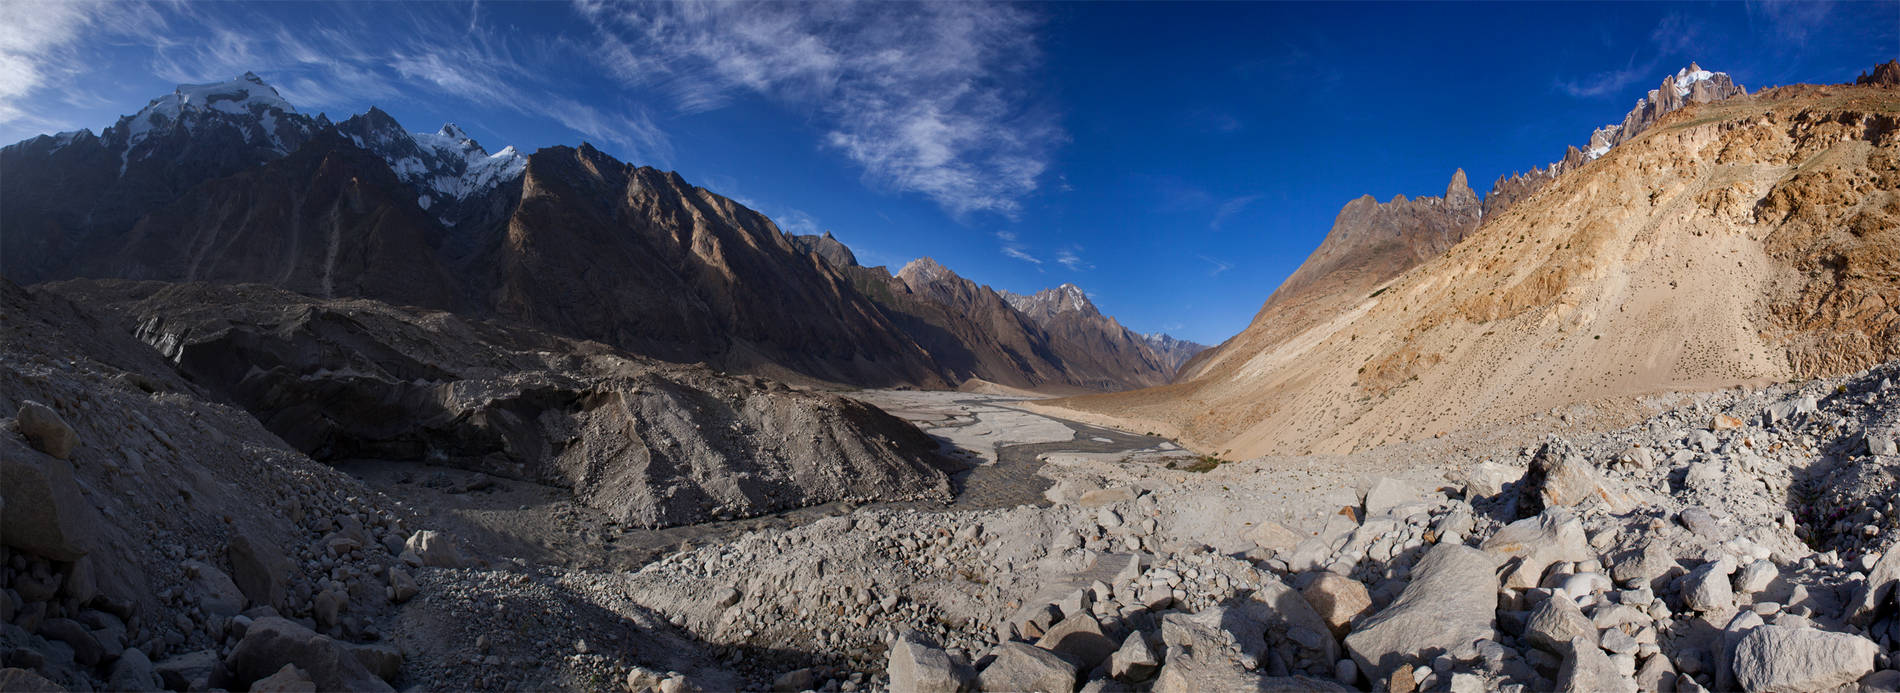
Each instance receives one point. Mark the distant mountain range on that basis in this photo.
(229, 182)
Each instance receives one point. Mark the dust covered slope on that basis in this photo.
(1746, 240)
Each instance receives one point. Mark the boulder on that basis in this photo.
(1338, 600)
(1448, 606)
(381, 659)
(45, 513)
(1796, 660)
(1642, 565)
(1876, 590)
(1587, 670)
(46, 431)
(402, 586)
(1197, 660)
(1561, 477)
(1135, 661)
(1707, 589)
(1023, 667)
(1387, 494)
(216, 593)
(25, 680)
(86, 647)
(1096, 498)
(1552, 536)
(1273, 535)
(1555, 622)
(1079, 636)
(916, 666)
(1286, 620)
(272, 642)
(289, 679)
(259, 572)
(133, 671)
(1487, 479)
(188, 671)
(435, 549)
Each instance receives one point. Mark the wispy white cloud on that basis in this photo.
(1069, 257)
(1229, 208)
(1014, 248)
(1218, 266)
(344, 63)
(929, 98)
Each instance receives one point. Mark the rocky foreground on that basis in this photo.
(157, 535)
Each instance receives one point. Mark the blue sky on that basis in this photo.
(1176, 160)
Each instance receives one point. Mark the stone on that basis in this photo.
(25, 680)
(1273, 535)
(1487, 479)
(1642, 565)
(188, 671)
(1387, 494)
(1587, 670)
(1033, 618)
(1339, 600)
(1704, 476)
(216, 593)
(434, 548)
(1561, 477)
(1023, 667)
(289, 679)
(1551, 536)
(1707, 589)
(402, 586)
(133, 671)
(796, 680)
(1724, 422)
(1448, 606)
(1757, 576)
(1197, 659)
(46, 431)
(916, 666)
(86, 647)
(45, 512)
(381, 659)
(1655, 674)
(1096, 498)
(1876, 589)
(1134, 661)
(1700, 522)
(1079, 636)
(1781, 658)
(260, 574)
(1555, 622)
(272, 642)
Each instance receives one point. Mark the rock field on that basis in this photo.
(157, 535)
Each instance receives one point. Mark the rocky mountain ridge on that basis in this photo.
(1690, 85)
(1601, 287)
(228, 182)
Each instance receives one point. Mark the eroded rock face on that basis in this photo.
(651, 444)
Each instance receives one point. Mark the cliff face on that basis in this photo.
(1095, 348)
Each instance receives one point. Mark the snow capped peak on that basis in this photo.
(1688, 76)
(443, 165)
(452, 131)
(245, 103)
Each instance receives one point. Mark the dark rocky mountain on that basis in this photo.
(1096, 348)
(1174, 353)
(229, 183)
